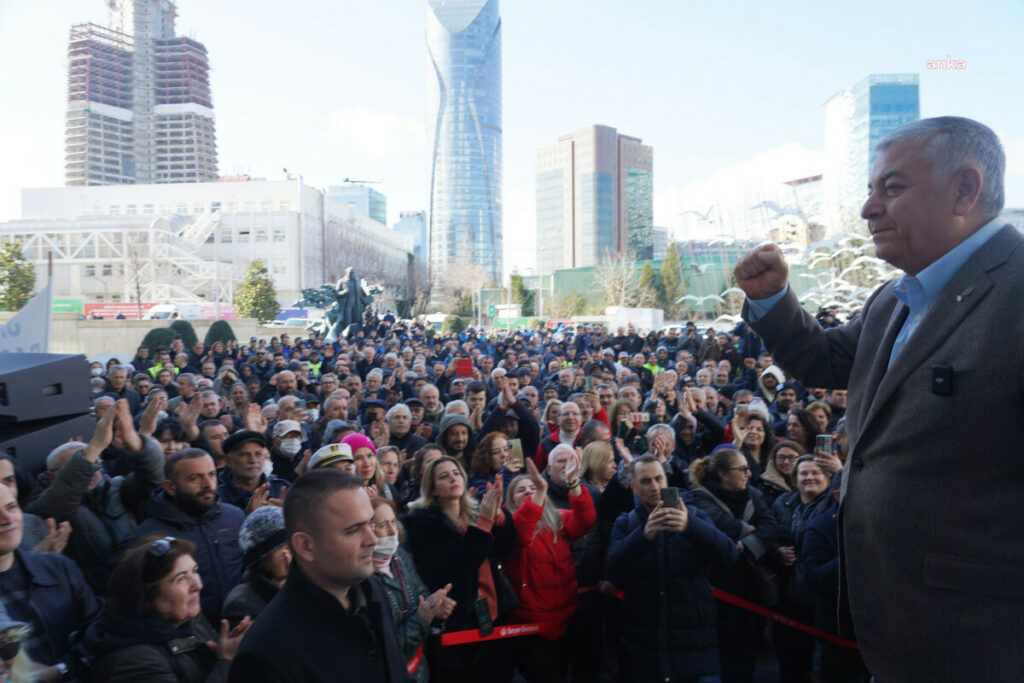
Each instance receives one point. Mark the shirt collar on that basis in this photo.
(930, 281)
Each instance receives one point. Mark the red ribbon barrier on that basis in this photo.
(517, 630)
(414, 663)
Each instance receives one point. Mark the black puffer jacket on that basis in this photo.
(668, 614)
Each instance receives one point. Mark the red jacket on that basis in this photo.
(541, 570)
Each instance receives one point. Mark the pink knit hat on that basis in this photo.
(357, 441)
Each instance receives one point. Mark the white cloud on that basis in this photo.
(732, 191)
(374, 134)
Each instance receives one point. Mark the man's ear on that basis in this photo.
(968, 189)
(303, 546)
(169, 488)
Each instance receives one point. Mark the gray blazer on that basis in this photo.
(932, 513)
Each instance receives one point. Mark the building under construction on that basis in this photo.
(139, 106)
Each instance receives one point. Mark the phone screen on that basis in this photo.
(464, 367)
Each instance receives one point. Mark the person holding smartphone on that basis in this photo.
(660, 555)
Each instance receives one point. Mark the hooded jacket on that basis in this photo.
(446, 423)
(215, 536)
(776, 371)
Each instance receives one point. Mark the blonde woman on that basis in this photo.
(455, 541)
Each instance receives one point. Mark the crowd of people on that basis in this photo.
(296, 510)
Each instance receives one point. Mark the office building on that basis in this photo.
(595, 199)
(855, 120)
(367, 200)
(464, 126)
(139, 106)
(193, 243)
(414, 224)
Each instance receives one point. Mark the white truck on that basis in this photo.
(174, 312)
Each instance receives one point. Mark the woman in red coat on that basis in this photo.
(542, 570)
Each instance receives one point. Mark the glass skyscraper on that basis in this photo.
(855, 120)
(464, 48)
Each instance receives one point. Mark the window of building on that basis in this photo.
(147, 209)
(214, 206)
(284, 205)
(131, 210)
(181, 208)
(278, 234)
(250, 206)
(268, 205)
(261, 235)
(115, 209)
(108, 269)
(243, 236)
(90, 271)
(225, 236)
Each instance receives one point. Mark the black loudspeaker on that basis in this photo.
(37, 386)
(29, 443)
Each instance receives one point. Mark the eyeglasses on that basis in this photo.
(785, 458)
(745, 468)
(160, 546)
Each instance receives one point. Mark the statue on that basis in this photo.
(345, 303)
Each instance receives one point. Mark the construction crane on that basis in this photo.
(363, 182)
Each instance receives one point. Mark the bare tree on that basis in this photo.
(135, 266)
(619, 279)
(456, 285)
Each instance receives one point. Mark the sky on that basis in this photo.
(337, 89)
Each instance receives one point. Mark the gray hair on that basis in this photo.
(376, 372)
(659, 428)
(56, 459)
(188, 377)
(952, 142)
(459, 404)
(398, 408)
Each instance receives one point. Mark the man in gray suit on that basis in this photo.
(931, 524)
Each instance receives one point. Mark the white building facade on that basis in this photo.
(193, 242)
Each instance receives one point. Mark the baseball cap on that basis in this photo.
(242, 437)
(286, 426)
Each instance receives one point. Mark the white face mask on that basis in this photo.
(291, 446)
(314, 414)
(268, 468)
(161, 415)
(96, 372)
(386, 547)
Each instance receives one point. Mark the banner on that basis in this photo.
(29, 330)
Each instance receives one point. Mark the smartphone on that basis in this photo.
(670, 497)
(464, 367)
(483, 617)
(742, 409)
(823, 442)
(635, 419)
(300, 404)
(645, 417)
(517, 451)
(588, 384)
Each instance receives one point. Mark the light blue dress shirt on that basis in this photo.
(919, 292)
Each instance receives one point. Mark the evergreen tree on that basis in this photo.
(186, 332)
(17, 277)
(256, 298)
(220, 331)
(672, 285)
(158, 336)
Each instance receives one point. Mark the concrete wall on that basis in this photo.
(121, 337)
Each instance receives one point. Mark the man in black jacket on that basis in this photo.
(331, 621)
(188, 507)
(46, 591)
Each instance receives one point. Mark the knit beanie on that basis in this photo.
(262, 533)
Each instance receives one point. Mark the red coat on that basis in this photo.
(541, 570)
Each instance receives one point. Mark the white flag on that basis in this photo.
(29, 330)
